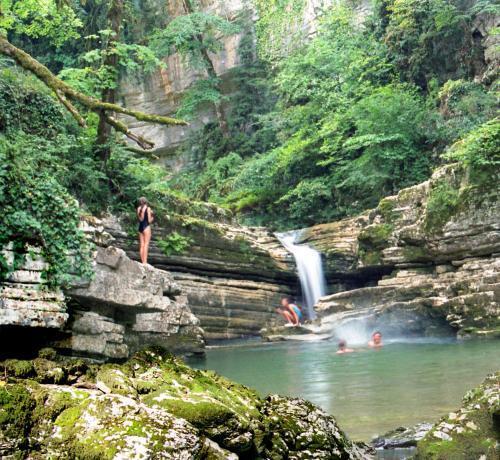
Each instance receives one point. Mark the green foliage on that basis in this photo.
(339, 130)
(432, 38)
(463, 106)
(279, 27)
(37, 210)
(442, 204)
(39, 19)
(199, 94)
(175, 243)
(191, 35)
(480, 148)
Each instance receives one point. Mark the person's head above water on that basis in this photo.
(376, 340)
(343, 348)
(143, 201)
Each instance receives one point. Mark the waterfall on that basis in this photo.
(310, 268)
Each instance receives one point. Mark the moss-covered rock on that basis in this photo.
(471, 432)
(156, 407)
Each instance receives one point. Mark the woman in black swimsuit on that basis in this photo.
(145, 216)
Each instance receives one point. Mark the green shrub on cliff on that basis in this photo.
(480, 149)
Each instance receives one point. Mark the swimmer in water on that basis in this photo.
(343, 348)
(376, 341)
(291, 312)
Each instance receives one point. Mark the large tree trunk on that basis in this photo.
(212, 74)
(114, 19)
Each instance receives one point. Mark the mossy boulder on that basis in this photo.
(156, 407)
(471, 432)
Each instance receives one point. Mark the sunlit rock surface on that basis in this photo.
(125, 306)
(128, 305)
(155, 407)
(472, 431)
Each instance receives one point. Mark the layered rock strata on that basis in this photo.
(125, 306)
(23, 302)
(234, 277)
(417, 267)
(128, 305)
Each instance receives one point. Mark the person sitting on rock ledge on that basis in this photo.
(290, 311)
(376, 341)
(145, 217)
(343, 348)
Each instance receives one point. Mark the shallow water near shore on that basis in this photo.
(370, 391)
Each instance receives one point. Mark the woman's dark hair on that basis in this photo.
(342, 343)
(289, 299)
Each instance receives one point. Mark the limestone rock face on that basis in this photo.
(232, 276)
(407, 267)
(24, 303)
(156, 407)
(161, 91)
(472, 431)
(124, 307)
(128, 305)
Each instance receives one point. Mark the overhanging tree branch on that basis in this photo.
(66, 93)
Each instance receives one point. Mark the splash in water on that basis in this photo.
(310, 268)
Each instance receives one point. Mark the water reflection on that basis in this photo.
(368, 391)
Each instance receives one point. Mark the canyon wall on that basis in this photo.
(419, 264)
(125, 306)
(233, 276)
(161, 91)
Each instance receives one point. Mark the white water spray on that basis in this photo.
(310, 269)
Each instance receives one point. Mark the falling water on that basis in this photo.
(310, 269)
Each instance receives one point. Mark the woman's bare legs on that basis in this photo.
(287, 315)
(146, 239)
(141, 246)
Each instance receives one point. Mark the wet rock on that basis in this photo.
(396, 268)
(402, 437)
(155, 407)
(472, 431)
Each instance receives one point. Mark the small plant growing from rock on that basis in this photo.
(175, 243)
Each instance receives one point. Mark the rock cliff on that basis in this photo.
(425, 261)
(154, 407)
(161, 91)
(124, 307)
(233, 276)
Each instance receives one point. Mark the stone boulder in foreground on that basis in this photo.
(155, 407)
(471, 432)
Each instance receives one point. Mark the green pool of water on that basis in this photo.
(369, 391)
